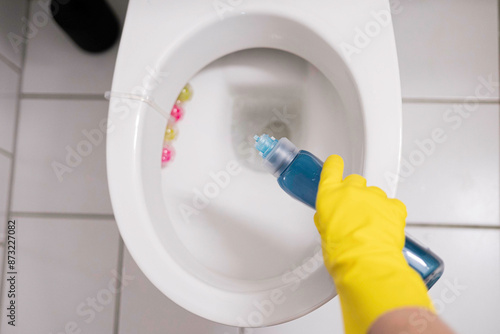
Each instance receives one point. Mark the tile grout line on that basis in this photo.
(5, 153)
(10, 64)
(63, 96)
(13, 160)
(455, 226)
(100, 97)
(118, 296)
(96, 216)
(57, 215)
(448, 100)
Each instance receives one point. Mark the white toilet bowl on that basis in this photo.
(212, 231)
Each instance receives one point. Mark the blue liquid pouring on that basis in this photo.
(298, 174)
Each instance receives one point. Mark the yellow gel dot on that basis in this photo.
(186, 93)
(170, 133)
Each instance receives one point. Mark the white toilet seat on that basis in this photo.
(181, 42)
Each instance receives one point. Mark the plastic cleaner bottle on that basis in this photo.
(298, 174)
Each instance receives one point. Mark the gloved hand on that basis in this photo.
(362, 233)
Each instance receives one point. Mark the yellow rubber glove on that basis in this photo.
(362, 233)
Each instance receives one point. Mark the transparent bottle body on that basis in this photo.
(300, 180)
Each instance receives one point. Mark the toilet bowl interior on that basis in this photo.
(213, 231)
(234, 227)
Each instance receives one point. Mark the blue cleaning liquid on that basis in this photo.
(301, 178)
(298, 174)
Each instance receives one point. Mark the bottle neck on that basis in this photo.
(280, 157)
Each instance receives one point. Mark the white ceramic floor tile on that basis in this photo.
(325, 320)
(54, 64)
(11, 26)
(144, 309)
(444, 45)
(5, 164)
(66, 276)
(455, 179)
(467, 297)
(58, 168)
(9, 81)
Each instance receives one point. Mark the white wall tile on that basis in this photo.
(457, 181)
(11, 26)
(62, 266)
(325, 320)
(9, 81)
(5, 163)
(467, 297)
(144, 309)
(444, 45)
(48, 130)
(54, 64)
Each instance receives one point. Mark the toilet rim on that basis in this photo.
(132, 149)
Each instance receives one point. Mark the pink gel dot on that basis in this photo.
(177, 112)
(167, 154)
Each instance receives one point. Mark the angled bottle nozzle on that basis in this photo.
(264, 144)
